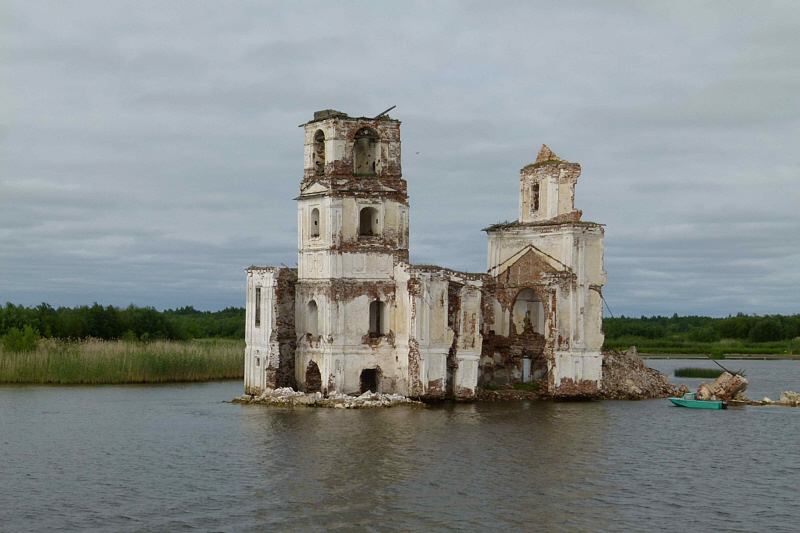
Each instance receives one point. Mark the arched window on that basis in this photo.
(528, 313)
(378, 319)
(312, 319)
(313, 223)
(369, 221)
(365, 152)
(318, 157)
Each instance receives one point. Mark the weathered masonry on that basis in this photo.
(356, 315)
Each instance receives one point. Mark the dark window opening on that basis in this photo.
(369, 380)
(368, 222)
(313, 318)
(453, 305)
(365, 152)
(377, 319)
(314, 222)
(319, 153)
(258, 307)
(535, 197)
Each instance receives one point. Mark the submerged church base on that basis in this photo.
(357, 317)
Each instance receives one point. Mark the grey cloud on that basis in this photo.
(168, 134)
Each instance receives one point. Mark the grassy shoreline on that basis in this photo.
(684, 347)
(117, 362)
(738, 356)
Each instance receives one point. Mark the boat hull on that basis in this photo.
(698, 404)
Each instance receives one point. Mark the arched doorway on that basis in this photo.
(313, 378)
(370, 377)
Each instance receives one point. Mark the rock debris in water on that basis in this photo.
(627, 377)
(289, 396)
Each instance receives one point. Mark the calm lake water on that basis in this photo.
(176, 458)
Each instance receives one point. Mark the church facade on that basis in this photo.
(355, 315)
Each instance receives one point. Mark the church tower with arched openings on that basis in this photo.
(546, 277)
(352, 239)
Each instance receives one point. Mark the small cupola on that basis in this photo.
(547, 189)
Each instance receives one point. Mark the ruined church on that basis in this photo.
(356, 315)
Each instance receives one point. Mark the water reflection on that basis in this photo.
(176, 458)
(451, 465)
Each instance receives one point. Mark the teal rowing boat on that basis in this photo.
(690, 400)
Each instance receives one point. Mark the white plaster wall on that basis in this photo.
(556, 241)
(433, 367)
(429, 328)
(566, 193)
(470, 340)
(261, 347)
(577, 248)
(341, 351)
(578, 366)
(466, 377)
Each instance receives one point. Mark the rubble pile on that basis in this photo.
(289, 396)
(627, 377)
(726, 387)
(788, 398)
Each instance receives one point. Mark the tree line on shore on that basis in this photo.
(768, 334)
(131, 323)
(659, 334)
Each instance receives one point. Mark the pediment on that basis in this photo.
(531, 266)
(314, 188)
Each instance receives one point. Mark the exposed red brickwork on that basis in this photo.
(462, 393)
(414, 382)
(383, 340)
(502, 356)
(435, 388)
(313, 381)
(568, 387)
(387, 129)
(453, 319)
(279, 364)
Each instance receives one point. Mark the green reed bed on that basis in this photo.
(693, 372)
(719, 348)
(112, 362)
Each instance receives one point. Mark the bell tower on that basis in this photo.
(353, 199)
(548, 270)
(352, 237)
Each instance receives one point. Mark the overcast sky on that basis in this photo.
(149, 151)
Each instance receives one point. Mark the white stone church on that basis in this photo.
(356, 315)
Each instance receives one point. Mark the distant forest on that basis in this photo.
(689, 334)
(699, 334)
(129, 323)
(704, 329)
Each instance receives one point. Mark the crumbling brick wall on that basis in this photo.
(284, 333)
